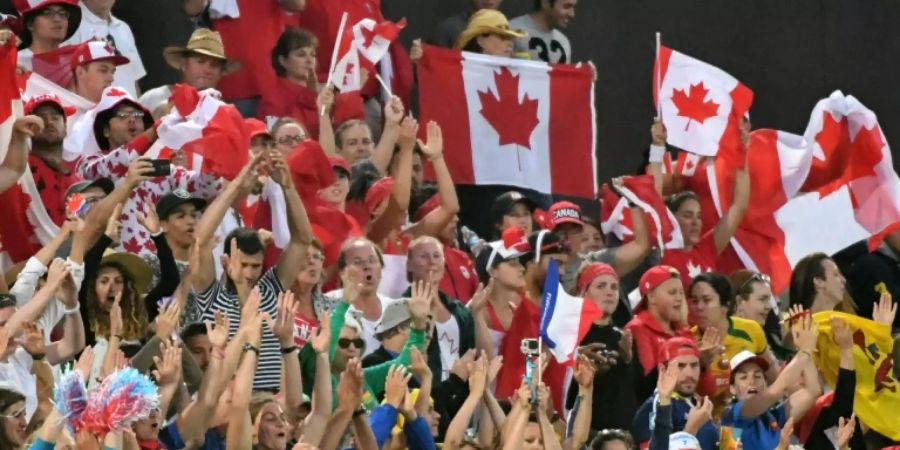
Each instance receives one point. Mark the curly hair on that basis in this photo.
(134, 314)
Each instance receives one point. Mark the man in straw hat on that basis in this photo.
(202, 63)
(46, 24)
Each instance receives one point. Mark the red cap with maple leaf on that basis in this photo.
(52, 99)
(97, 50)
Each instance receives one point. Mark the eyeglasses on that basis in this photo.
(359, 262)
(125, 115)
(16, 415)
(345, 343)
(291, 139)
(760, 277)
(58, 12)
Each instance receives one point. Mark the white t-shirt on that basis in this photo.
(548, 46)
(119, 35)
(368, 326)
(448, 339)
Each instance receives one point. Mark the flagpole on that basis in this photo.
(658, 80)
(384, 85)
(334, 53)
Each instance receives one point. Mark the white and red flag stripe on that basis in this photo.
(512, 122)
(10, 99)
(700, 104)
(615, 217)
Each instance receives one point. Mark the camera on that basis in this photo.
(529, 347)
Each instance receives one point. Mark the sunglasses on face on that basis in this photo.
(16, 415)
(762, 278)
(290, 140)
(359, 343)
(125, 115)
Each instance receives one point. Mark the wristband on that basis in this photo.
(74, 310)
(288, 350)
(251, 348)
(38, 357)
(656, 153)
(359, 412)
(118, 336)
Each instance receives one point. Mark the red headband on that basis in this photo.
(592, 271)
(379, 191)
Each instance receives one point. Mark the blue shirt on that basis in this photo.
(645, 419)
(757, 433)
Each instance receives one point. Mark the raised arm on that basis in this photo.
(393, 114)
(317, 419)
(114, 165)
(477, 379)
(629, 256)
(167, 373)
(291, 260)
(205, 272)
(729, 224)
(350, 392)
(16, 160)
(435, 221)
(324, 105)
(398, 202)
(33, 309)
(240, 427)
(291, 381)
(584, 375)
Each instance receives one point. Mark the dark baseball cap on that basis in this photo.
(167, 204)
(505, 202)
(103, 183)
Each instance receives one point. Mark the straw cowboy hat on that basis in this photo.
(134, 266)
(203, 41)
(487, 21)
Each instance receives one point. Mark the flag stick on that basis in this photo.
(540, 371)
(334, 53)
(658, 80)
(384, 85)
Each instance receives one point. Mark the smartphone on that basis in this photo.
(161, 168)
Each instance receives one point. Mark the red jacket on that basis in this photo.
(285, 98)
(649, 337)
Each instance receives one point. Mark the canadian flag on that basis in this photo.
(639, 190)
(374, 38)
(512, 122)
(700, 104)
(10, 99)
(210, 132)
(363, 45)
(345, 75)
(840, 173)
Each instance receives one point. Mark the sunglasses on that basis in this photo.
(760, 277)
(346, 342)
(289, 140)
(125, 115)
(16, 415)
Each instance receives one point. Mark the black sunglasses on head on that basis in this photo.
(345, 342)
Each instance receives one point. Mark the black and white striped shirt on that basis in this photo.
(217, 297)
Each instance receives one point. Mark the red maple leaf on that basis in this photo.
(513, 120)
(844, 160)
(132, 246)
(693, 104)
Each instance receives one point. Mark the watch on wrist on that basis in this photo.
(250, 347)
(287, 350)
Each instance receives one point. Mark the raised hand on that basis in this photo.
(114, 225)
(494, 368)
(115, 317)
(85, 362)
(28, 125)
(699, 415)
(149, 220)
(250, 310)
(217, 331)
(840, 331)
(4, 340)
(322, 336)
(461, 366)
(408, 407)
(395, 386)
(784, 442)
(885, 310)
(423, 293)
(435, 146)
(393, 110)
(33, 340)
(711, 346)
(168, 366)
(139, 170)
(351, 281)
(350, 385)
(418, 364)
(168, 319)
(804, 331)
(57, 273)
(325, 99)
(480, 299)
(584, 372)
(409, 129)
(279, 170)
(845, 431)
(416, 52)
(283, 324)
(658, 133)
(543, 393)
(667, 380)
(626, 346)
(478, 376)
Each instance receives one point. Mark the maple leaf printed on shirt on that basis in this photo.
(693, 104)
(513, 119)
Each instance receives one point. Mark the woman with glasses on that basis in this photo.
(307, 291)
(288, 133)
(48, 24)
(12, 418)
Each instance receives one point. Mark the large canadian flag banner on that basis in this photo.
(512, 122)
(700, 104)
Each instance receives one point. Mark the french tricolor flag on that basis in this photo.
(565, 319)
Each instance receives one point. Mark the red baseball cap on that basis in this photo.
(378, 192)
(656, 276)
(677, 346)
(90, 51)
(256, 127)
(338, 162)
(53, 99)
(563, 212)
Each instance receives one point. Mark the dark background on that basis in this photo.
(791, 53)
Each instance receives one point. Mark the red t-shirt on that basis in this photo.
(649, 337)
(303, 328)
(700, 259)
(250, 39)
(284, 98)
(460, 280)
(52, 186)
